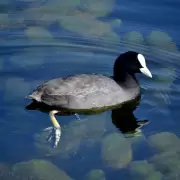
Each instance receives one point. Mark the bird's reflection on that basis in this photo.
(122, 117)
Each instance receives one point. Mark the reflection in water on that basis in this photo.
(122, 116)
(124, 119)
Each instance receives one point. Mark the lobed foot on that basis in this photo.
(55, 131)
(54, 135)
(77, 116)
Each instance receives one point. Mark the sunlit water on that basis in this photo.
(41, 40)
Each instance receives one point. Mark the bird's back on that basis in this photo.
(84, 92)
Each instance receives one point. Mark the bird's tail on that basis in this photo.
(34, 96)
(29, 97)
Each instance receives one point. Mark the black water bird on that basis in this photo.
(91, 92)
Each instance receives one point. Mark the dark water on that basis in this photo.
(41, 40)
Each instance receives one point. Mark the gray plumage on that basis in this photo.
(85, 92)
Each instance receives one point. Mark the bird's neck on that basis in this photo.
(125, 79)
(120, 76)
(121, 72)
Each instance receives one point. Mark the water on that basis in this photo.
(41, 40)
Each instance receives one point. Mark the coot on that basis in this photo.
(92, 91)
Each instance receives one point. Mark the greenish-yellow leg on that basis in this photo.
(53, 119)
(55, 131)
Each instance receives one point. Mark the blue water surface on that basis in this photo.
(41, 40)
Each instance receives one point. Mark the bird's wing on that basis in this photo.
(61, 91)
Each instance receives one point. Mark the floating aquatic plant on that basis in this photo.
(95, 174)
(116, 151)
(144, 170)
(39, 169)
(164, 141)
